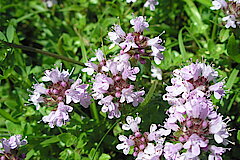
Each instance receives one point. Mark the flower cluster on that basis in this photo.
(231, 9)
(147, 145)
(192, 116)
(111, 83)
(9, 148)
(193, 125)
(135, 44)
(56, 92)
(148, 3)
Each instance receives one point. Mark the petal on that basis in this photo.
(125, 127)
(218, 138)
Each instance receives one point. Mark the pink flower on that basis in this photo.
(125, 146)
(14, 142)
(58, 117)
(193, 146)
(139, 24)
(171, 151)
(132, 124)
(151, 4)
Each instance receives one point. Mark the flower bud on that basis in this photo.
(138, 134)
(142, 146)
(60, 98)
(136, 56)
(143, 139)
(48, 91)
(135, 148)
(189, 124)
(135, 154)
(181, 139)
(2, 158)
(204, 124)
(55, 91)
(118, 94)
(122, 52)
(64, 84)
(117, 78)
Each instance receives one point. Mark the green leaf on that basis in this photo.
(50, 141)
(149, 94)
(11, 103)
(181, 45)
(13, 128)
(232, 78)
(66, 154)
(233, 48)
(195, 16)
(81, 143)
(93, 155)
(238, 136)
(207, 3)
(224, 34)
(2, 37)
(30, 154)
(10, 33)
(104, 157)
(68, 139)
(7, 116)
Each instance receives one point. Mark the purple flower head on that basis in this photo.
(151, 152)
(13, 143)
(58, 117)
(156, 49)
(135, 44)
(219, 129)
(109, 106)
(171, 151)
(156, 134)
(59, 89)
(216, 152)
(78, 94)
(132, 124)
(151, 4)
(102, 84)
(125, 146)
(56, 76)
(218, 4)
(129, 43)
(231, 21)
(192, 116)
(117, 35)
(231, 10)
(192, 83)
(193, 146)
(112, 87)
(139, 24)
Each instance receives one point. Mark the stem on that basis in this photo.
(94, 111)
(100, 142)
(31, 49)
(214, 27)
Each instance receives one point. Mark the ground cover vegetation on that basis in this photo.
(120, 79)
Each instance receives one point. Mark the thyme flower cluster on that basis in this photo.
(9, 148)
(193, 126)
(57, 93)
(231, 8)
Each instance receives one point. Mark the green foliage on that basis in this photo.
(76, 28)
